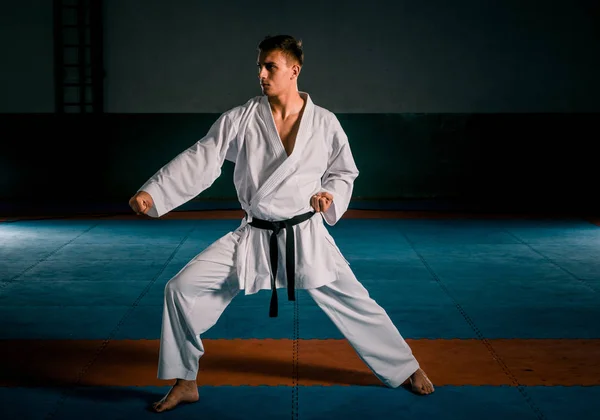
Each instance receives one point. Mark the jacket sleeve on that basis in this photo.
(341, 172)
(193, 170)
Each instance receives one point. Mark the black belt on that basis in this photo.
(290, 253)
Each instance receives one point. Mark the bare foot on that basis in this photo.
(420, 383)
(182, 392)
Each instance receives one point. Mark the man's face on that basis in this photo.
(276, 72)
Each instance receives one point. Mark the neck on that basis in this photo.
(287, 103)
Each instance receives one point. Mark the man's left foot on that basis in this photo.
(420, 383)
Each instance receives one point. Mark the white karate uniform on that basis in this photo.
(271, 186)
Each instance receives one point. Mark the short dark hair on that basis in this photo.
(290, 47)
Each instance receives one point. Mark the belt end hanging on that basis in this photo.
(273, 307)
(291, 295)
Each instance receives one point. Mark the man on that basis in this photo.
(293, 170)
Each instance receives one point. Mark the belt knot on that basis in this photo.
(290, 255)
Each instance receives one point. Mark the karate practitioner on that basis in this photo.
(294, 171)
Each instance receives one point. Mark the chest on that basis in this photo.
(288, 131)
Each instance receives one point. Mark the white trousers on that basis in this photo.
(196, 297)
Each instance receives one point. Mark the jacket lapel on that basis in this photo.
(289, 163)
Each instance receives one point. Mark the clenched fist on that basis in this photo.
(321, 201)
(141, 203)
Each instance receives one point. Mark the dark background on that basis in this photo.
(463, 105)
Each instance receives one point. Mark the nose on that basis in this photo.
(262, 73)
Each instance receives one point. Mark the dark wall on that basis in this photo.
(516, 162)
(26, 54)
(484, 103)
(380, 56)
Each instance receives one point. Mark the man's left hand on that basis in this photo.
(321, 201)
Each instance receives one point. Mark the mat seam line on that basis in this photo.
(12, 280)
(480, 335)
(582, 281)
(295, 358)
(66, 394)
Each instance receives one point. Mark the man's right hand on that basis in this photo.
(141, 203)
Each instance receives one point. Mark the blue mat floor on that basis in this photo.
(437, 279)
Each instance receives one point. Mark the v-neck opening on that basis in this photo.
(274, 131)
(286, 163)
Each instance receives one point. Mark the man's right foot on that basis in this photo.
(182, 392)
(420, 383)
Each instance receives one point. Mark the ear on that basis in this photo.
(296, 70)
